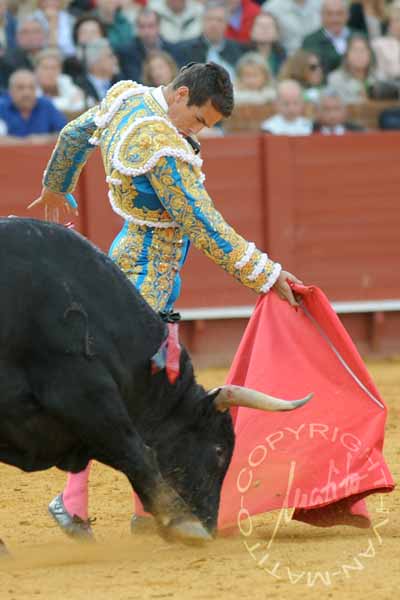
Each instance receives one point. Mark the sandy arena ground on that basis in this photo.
(121, 567)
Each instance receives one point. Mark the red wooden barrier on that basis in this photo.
(21, 172)
(333, 211)
(325, 207)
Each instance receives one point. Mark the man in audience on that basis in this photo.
(212, 45)
(102, 71)
(296, 19)
(31, 39)
(24, 118)
(330, 41)
(290, 119)
(331, 117)
(147, 40)
(119, 30)
(180, 20)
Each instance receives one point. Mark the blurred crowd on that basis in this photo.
(59, 57)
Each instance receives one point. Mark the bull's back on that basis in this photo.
(58, 290)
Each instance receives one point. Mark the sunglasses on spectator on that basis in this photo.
(314, 66)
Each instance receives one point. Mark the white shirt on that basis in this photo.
(278, 125)
(339, 41)
(100, 85)
(336, 130)
(158, 95)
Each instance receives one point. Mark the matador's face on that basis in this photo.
(189, 120)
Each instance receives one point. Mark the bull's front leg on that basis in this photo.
(172, 514)
(97, 415)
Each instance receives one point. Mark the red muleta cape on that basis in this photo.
(324, 457)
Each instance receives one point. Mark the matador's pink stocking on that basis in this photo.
(75, 495)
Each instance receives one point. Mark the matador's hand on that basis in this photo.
(54, 204)
(283, 288)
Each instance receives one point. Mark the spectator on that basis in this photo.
(146, 41)
(212, 45)
(305, 68)
(354, 77)
(290, 119)
(253, 83)
(119, 30)
(296, 19)
(24, 118)
(87, 28)
(31, 38)
(60, 88)
(387, 48)
(330, 42)
(102, 71)
(265, 40)
(8, 27)
(241, 18)
(331, 116)
(159, 68)
(180, 20)
(58, 23)
(368, 17)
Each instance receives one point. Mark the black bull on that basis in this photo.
(76, 341)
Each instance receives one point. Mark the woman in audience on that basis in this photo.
(159, 68)
(354, 78)
(254, 83)
(387, 48)
(60, 88)
(265, 41)
(305, 68)
(88, 28)
(59, 24)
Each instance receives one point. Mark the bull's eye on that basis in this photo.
(220, 452)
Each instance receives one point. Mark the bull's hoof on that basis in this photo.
(186, 530)
(73, 526)
(141, 524)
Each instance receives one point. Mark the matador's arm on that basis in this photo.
(183, 195)
(70, 153)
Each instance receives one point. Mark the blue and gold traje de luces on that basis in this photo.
(156, 186)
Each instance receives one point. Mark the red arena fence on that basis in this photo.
(326, 207)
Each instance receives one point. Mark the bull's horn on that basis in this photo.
(235, 395)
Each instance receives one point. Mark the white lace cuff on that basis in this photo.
(276, 271)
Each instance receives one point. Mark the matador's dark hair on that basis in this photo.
(207, 81)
